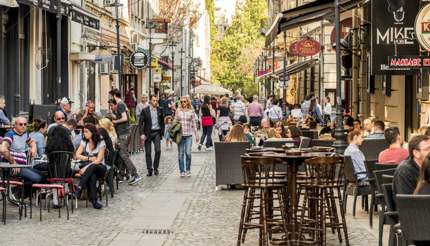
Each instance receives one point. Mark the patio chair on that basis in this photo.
(391, 215)
(60, 180)
(320, 142)
(384, 219)
(372, 147)
(228, 162)
(352, 187)
(305, 142)
(414, 217)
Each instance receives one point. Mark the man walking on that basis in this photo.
(151, 129)
(122, 127)
(255, 112)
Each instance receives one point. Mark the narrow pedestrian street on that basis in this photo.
(164, 210)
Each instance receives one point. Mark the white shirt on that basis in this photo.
(275, 113)
(327, 108)
(238, 109)
(297, 113)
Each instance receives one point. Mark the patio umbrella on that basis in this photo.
(211, 89)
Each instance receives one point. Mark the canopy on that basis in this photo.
(211, 89)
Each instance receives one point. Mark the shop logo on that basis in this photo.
(422, 27)
(396, 8)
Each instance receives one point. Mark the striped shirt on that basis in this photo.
(187, 119)
(18, 145)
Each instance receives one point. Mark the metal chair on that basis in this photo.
(414, 217)
(60, 180)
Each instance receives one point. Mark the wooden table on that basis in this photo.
(293, 162)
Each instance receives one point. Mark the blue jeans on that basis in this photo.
(207, 133)
(30, 175)
(184, 152)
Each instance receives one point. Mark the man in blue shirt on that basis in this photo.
(15, 147)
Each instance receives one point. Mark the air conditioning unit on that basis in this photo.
(104, 68)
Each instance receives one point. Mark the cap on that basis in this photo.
(66, 100)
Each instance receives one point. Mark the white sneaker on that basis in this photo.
(188, 173)
(182, 175)
(210, 148)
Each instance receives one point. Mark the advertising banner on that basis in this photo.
(393, 34)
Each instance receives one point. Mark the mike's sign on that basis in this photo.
(422, 27)
(393, 34)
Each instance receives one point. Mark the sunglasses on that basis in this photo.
(22, 124)
(62, 118)
(183, 101)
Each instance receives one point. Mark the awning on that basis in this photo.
(97, 56)
(292, 68)
(297, 67)
(9, 3)
(305, 14)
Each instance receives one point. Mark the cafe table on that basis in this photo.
(293, 159)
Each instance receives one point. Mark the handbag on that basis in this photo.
(207, 121)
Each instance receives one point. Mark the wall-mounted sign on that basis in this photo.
(305, 47)
(408, 63)
(422, 27)
(139, 59)
(393, 34)
(345, 26)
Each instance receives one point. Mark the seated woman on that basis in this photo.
(107, 131)
(38, 135)
(355, 139)
(91, 151)
(293, 133)
(280, 130)
(236, 134)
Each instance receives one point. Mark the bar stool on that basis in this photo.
(264, 200)
(322, 199)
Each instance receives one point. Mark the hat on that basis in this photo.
(66, 100)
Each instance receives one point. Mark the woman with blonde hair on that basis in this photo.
(236, 134)
(106, 124)
(185, 115)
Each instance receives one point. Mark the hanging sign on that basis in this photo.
(139, 59)
(305, 47)
(422, 27)
(345, 26)
(393, 34)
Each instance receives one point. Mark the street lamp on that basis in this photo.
(116, 4)
(340, 143)
(150, 25)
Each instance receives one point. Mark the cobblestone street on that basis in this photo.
(164, 210)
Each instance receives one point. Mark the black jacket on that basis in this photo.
(145, 121)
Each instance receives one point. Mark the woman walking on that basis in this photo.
(207, 115)
(223, 119)
(186, 117)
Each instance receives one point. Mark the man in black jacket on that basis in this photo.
(151, 129)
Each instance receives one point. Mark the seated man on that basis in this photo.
(378, 130)
(14, 148)
(407, 173)
(395, 153)
(355, 139)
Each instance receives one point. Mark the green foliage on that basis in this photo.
(233, 56)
